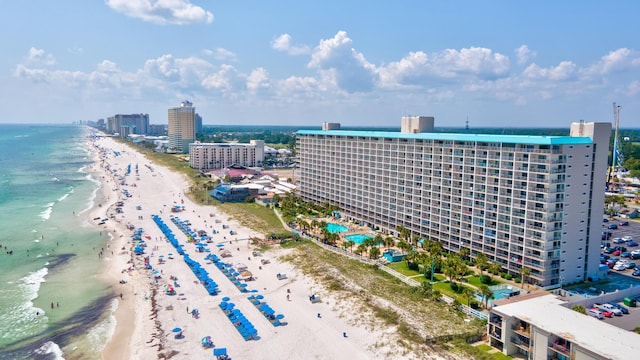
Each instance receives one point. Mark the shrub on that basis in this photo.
(485, 279)
(412, 266)
(503, 275)
(454, 286)
(517, 280)
(508, 277)
(474, 305)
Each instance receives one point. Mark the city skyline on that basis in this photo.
(499, 64)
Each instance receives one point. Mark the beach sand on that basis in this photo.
(146, 315)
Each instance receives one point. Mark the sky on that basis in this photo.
(359, 63)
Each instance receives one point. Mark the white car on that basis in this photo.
(620, 266)
(635, 252)
(627, 238)
(611, 308)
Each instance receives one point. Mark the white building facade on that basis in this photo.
(524, 201)
(211, 156)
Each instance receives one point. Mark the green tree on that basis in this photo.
(494, 268)
(482, 262)
(468, 294)
(524, 274)
(464, 253)
(486, 293)
(374, 252)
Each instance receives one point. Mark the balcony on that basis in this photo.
(561, 348)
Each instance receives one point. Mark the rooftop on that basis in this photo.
(510, 139)
(547, 313)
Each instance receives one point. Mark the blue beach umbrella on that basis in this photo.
(176, 330)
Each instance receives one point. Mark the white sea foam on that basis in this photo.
(61, 198)
(46, 213)
(99, 335)
(94, 193)
(51, 350)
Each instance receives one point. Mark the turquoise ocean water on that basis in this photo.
(52, 305)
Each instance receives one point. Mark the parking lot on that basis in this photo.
(632, 230)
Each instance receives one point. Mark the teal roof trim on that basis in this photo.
(509, 139)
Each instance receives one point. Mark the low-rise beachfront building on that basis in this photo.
(543, 326)
(524, 201)
(211, 156)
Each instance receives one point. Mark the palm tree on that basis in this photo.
(389, 241)
(374, 253)
(350, 244)
(464, 253)
(524, 274)
(361, 249)
(487, 294)
(468, 293)
(482, 263)
(494, 268)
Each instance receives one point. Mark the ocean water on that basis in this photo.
(52, 304)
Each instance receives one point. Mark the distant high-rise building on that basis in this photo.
(198, 123)
(135, 123)
(182, 127)
(157, 129)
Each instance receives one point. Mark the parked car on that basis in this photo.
(610, 308)
(605, 220)
(630, 265)
(616, 253)
(635, 256)
(627, 238)
(606, 313)
(624, 223)
(618, 240)
(625, 254)
(632, 243)
(612, 226)
(622, 309)
(608, 250)
(636, 272)
(595, 313)
(619, 266)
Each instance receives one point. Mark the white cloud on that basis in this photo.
(257, 80)
(564, 71)
(178, 12)
(40, 57)
(524, 54)
(283, 43)
(633, 88)
(221, 54)
(618, 60)
(420, 69)
(349, 68)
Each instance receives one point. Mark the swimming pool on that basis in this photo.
(499, 294)
(336, 228)
(357, 238)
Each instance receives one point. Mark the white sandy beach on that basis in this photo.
(146, 315)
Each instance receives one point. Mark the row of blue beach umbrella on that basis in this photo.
(202, 275)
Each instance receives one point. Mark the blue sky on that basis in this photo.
(360, 63)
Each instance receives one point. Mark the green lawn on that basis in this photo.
(445, 289)
(402, 268)
(484, 347)
(475, 281)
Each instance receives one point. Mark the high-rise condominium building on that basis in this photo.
(524, 201)
(182, 127)
(209, 156)
(128, 124)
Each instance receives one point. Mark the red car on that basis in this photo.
(606, 313)
(616, 253)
